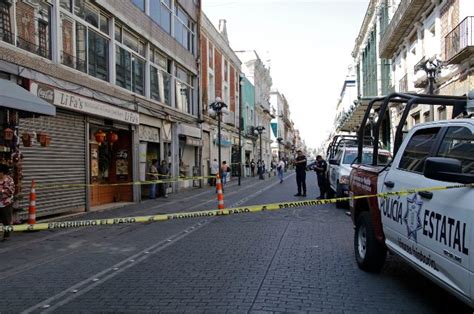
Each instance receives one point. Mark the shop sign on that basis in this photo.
(188, 130)
(81, 104)
(148, 134)
(193, 141)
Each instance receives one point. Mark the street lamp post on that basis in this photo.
(217, 108)
(259, 131)
(241, 79)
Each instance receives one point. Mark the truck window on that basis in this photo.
(418, 149)
(458, 143)
(351, 156)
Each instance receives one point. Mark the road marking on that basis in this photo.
(88, 284)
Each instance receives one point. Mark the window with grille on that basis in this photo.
(5, 25)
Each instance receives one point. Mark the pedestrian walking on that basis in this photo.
(280, 168)
(252, 167)
(214, 171)
(6, 198)
(300, 165)
(163, 174)
(321, 168)
(153, 176)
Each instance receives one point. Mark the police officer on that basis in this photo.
(321, 168)
(300, 165)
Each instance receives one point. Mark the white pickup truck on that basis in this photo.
(340, 167)
(431, 229)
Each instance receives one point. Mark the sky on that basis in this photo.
(308, 44)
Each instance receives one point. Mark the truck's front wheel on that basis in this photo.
(370, 254)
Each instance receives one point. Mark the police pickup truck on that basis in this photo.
(430, 228)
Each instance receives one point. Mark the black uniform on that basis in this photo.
(322, 179)
(301, 174)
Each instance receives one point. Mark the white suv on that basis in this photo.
(340, 168)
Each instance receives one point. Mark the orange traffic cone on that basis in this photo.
(220, 195)
(32, 207)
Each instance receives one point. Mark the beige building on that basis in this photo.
(434, 36)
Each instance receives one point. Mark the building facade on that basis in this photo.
(123, 77)
(282, 135)
(259, 75)
(436, 34)
(249, 140)
(412, 46)
(220, 77)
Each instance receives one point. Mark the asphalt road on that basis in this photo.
(294, 260)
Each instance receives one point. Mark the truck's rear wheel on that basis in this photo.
(370, 254)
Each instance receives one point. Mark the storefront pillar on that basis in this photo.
(88, 164)
(175, 155)
(136, 164)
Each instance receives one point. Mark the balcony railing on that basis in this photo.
(459, 43)
(403, 84)
(406, 13)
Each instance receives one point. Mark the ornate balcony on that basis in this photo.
(400, 25)
(459, 43)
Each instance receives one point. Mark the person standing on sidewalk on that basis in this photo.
(300, 165)
(224, 169)
(252, 167)
(6, 198)
(321, 168)
(280, 168)
(163, 172)
(153, 173)
(214, 171)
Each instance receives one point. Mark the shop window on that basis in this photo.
(184, 90)
(129, 65)
(33, 23)
(211, 56)
(160, 12)
(5, 22)
(160, 79)
(98, 56)
(184, 29)
(123, 65)
(89, 36)
(160, 85)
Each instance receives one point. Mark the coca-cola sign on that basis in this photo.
(46, 93)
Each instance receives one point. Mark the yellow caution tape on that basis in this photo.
(209, 213)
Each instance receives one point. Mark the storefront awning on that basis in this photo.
(15, 97)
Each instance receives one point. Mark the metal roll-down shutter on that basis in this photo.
(62, 162)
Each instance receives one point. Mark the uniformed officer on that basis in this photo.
(300, 165)
(321, 167)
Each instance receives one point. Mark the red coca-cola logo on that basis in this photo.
(46, 93)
